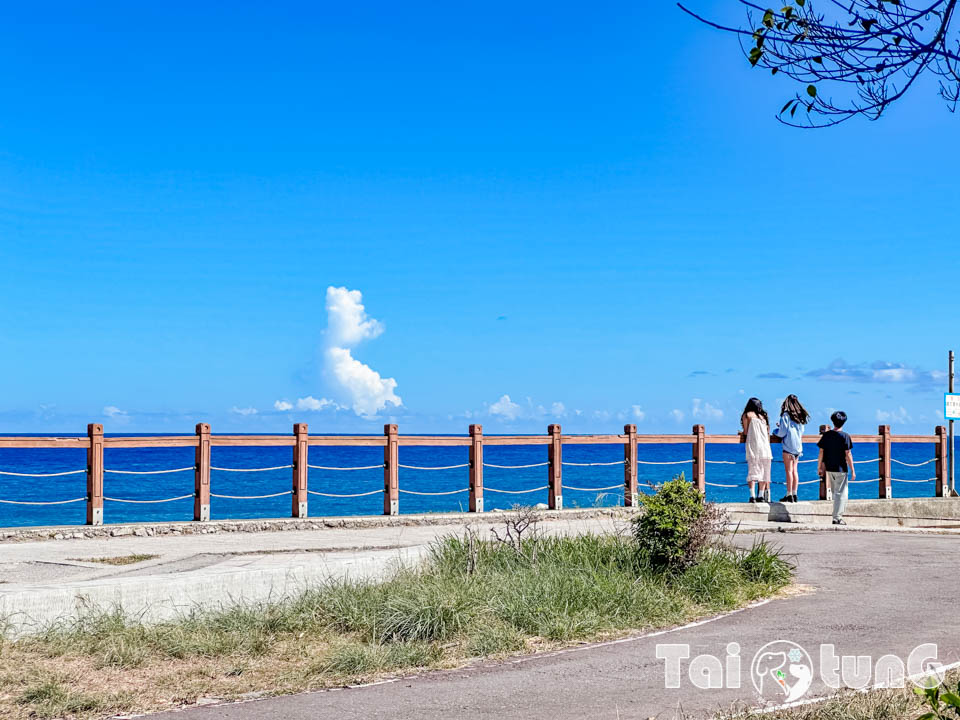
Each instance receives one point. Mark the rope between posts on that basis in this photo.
(253, 497)
(440, 467)
(925, 462)
(859, 482)
(860, 462)
(49, 502)
(56, 474)
(610, 487)
(353, 495)
(417, 492)
(725, 486)
(603, 464)
(516, 467)
(669, 462)
(516, 492)
(278, 467)
(148, 472)
(913, 481)
(725, 462)
(361, 467)
(148, 502)
(809, 482)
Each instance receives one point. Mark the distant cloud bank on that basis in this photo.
(879, 371)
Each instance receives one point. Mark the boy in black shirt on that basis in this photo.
(836, 459)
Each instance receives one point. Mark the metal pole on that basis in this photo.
(950, 484)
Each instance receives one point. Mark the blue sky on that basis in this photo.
(588, 209)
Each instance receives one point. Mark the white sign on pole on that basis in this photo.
(951, 406)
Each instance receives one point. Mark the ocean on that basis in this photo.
(909, 481)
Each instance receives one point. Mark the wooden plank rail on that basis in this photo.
(300, 441)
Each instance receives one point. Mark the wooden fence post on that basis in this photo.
(885, 489)
(699, 471)
(201, 474)
(300, 471)
(476, 468)
(95, 474)
(391, 479)
(630, 498)
(826, 492)
(555, 468)
(943, 489)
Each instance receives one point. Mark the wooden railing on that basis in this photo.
(300, 442)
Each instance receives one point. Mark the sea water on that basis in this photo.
(159, 487)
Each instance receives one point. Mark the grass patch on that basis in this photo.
(470, 599)
(893, 704)
(118, 560)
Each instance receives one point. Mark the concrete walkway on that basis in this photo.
(867, 593)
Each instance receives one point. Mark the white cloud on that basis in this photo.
(367, 392)
(638, 413)
(283, 405)
(243, 411)
(347, 321)
(558, 409)
(705, 410)
(112, 411)
(311, 403)
(677, 415)
(505, 408)
(899, 415)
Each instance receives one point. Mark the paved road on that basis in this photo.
(872, 594)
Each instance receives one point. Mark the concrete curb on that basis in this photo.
(80, 532)
(920, 513)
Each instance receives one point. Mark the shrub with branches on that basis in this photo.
(853, 60)
(676, 525)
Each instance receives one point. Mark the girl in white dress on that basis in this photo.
(756, 427)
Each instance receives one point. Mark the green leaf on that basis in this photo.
(768, 18)
(812, 91)
(928, 716)
(793, 109)
(784, 108)
(755, 55)
(801, 3)
(774, 71)
(817, 59)
(951, 699)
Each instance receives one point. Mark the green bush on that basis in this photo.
(675, 525)
(944, 703)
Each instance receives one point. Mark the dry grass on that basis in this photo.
(472, 600)
(894, 704)
(117, 560)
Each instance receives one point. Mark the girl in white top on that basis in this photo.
(756, 427)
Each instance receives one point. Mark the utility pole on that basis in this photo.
(950, 482)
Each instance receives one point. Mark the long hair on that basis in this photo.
(797, 412)
(755, 406)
